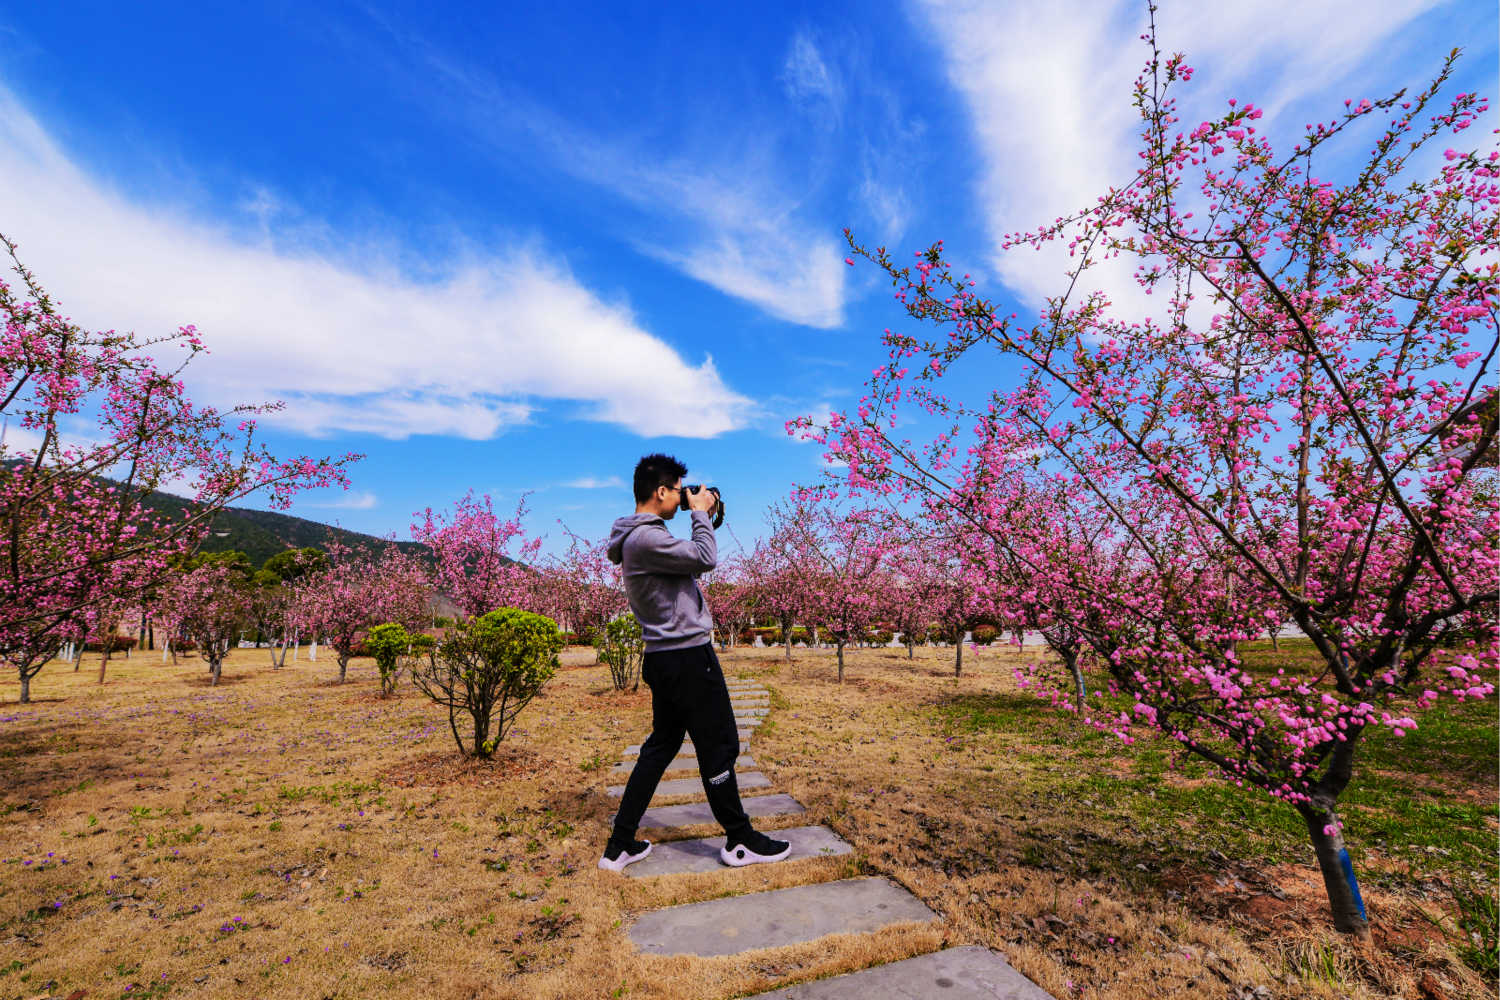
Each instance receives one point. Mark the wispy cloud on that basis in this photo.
(1048, 90)
(809, 82)
(725, 215)
(590, 483)
(348, 340)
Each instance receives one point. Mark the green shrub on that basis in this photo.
(986, 634)
(388, 644)
(489, 668)
(622, 648)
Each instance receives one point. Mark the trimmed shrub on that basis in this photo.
(986, 634)
(489, 668)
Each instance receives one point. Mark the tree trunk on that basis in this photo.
(25, 688)
(481, 733)
(218, 669)
(104, 660)
(1274, 647)
(1080, 693)
(840, 644)
(1338, 872)
(958, 657)
(151, 635)
(343, 666)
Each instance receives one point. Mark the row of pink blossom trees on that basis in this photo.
(1304, 435)
(80, 542)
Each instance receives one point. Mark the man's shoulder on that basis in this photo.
(645, 533)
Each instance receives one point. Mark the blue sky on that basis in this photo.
(513, 247)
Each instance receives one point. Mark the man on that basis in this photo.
(688, 694)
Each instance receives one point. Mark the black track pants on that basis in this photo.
(688, 696)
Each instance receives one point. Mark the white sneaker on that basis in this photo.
(764, 852)
(616, 857)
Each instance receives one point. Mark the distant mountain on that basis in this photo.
(261, 534)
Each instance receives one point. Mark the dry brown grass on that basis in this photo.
(361, 855)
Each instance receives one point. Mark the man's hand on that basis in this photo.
(702, 500)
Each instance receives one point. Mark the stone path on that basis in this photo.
(966, 973)
(771, 919)
(781, 916)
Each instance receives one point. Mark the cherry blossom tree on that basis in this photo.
(77, 529)
(587, 588)
(1299, 435)
(359, 589)
(958, 597)
(777, 572)
(730, 597)
(844, 582)
(210, 605)
(915, 585)
(476, 567)
(28, 650)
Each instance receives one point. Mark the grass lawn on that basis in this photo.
(282, 835)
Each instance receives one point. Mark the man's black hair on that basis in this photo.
(656, 470)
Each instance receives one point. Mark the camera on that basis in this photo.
(718, 509)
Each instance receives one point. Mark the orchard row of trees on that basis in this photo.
(1302, 434)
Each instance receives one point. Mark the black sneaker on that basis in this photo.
(759, 849)
(617, 855)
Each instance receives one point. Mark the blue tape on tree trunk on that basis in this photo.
(1348, 867)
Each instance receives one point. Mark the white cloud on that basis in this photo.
(345, 338)
(1048, 87)
(591, 483)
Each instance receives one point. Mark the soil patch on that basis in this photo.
(510, 763)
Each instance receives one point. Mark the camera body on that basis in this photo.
(717, 513)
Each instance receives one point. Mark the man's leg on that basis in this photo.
(656, 754)
(705, 707)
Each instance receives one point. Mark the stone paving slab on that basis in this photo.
(687, 786)
(681, 764)
(745, 720)
(682, 856)
(634, 750)
(698, 812)
(749, 703)
(771, 919)
(749, 713)
(970, 972)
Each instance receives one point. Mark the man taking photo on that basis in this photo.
(688, 693)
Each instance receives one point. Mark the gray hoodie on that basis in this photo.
(659, 584)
